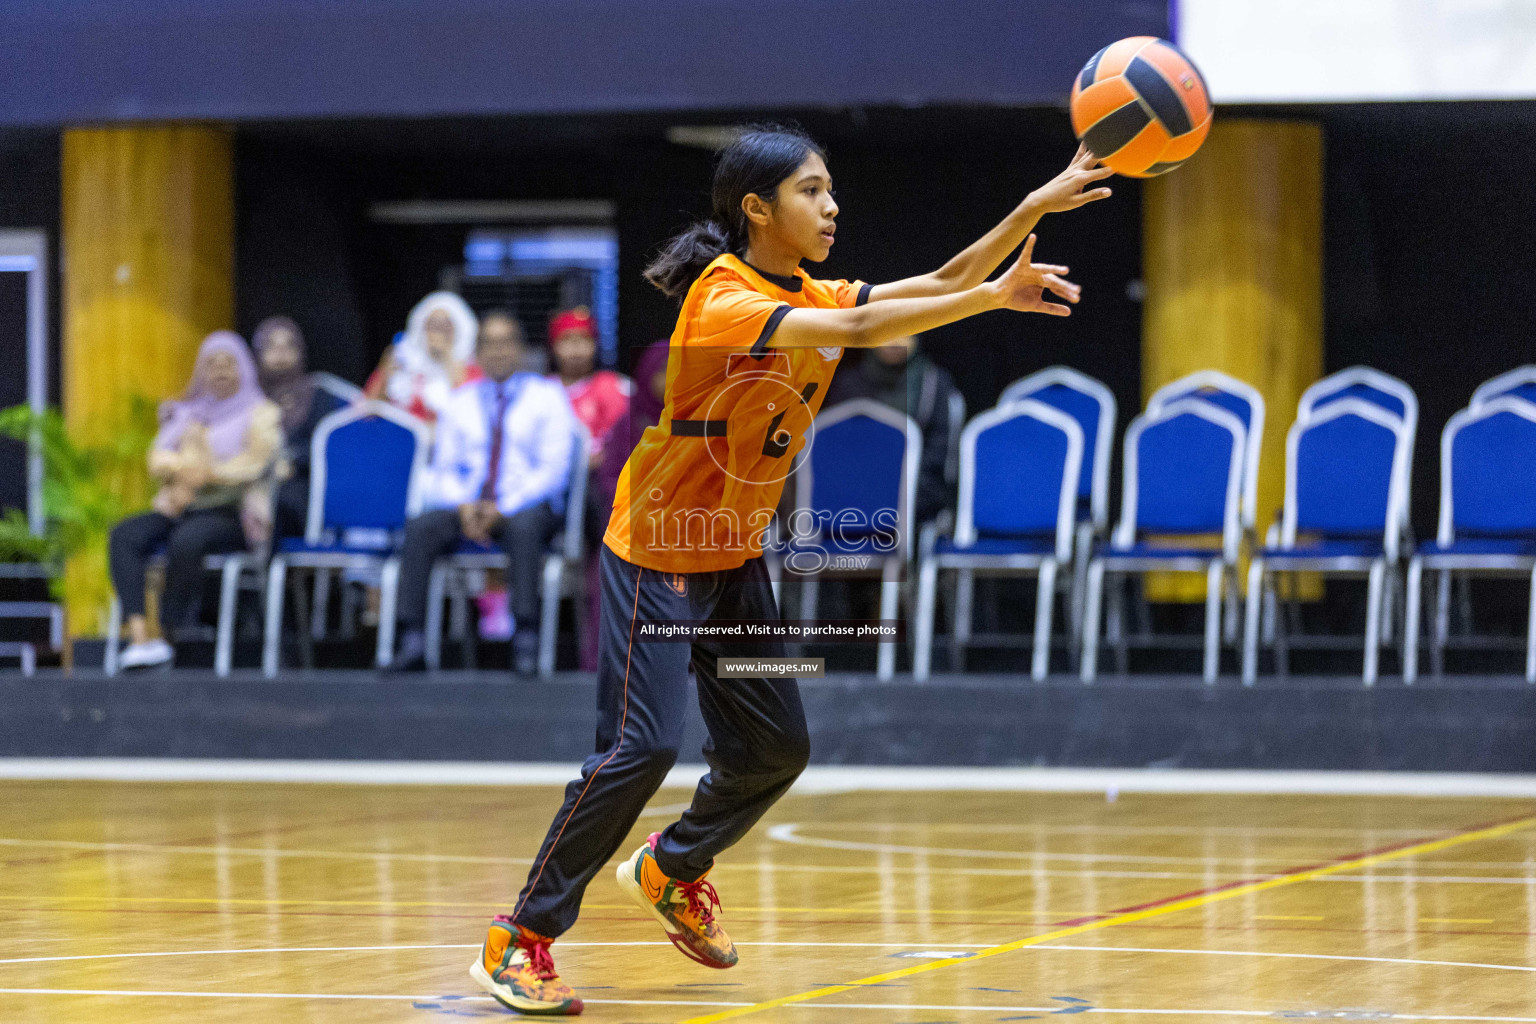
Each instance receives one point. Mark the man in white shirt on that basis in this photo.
(499, 473)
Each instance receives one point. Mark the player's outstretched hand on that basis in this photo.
(1065, 191)
(1024, 285)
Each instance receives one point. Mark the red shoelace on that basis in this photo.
(539, 959)
(701, 898)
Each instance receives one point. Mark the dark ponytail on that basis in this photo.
(760, 158)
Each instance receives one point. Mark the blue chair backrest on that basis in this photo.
(1366, 393)
(1183, 473)
(1519, 383)
(1487, 484)
(366, 464)
(861, 468)
(1093, 406)
(1239, 399)
(1019, 468)
(1345, 471)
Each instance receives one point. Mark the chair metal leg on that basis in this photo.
(1114, 630)
(389, 601)
(1231, 613)
(1082, 551)
(1442, 623)
(229, 598)
(436, 583)
(1091, 602)
(301, 616)
(549, 614)
(1045, 605)
(1373, 601)
(320, 604)
(1389, 607)
(1214, 574)
(1530, 635)
(922, 649)
(1411, 598)
(1253, 609)
(272, 634)
(348, 610)
(965, 608)
(890, 598)
(110, 654)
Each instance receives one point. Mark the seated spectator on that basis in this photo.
(499, 473)
(434, 357)
(599, 397)
(282, 356)
(902, 377)
(214, 456)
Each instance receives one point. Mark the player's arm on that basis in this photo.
(978, 260)
(1021, 288)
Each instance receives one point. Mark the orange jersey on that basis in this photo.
(701, 486)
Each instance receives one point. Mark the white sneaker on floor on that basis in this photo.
(146, 655)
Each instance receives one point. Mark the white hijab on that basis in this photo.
(416, 372)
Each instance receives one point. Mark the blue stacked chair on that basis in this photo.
(854, 495)
(1346, 491)
(1241, 400)
(1487, 515)
(1020, 464)
(1517, 383)
(563, 572)
(1093, 406)
(367, 465)
(1183, 467)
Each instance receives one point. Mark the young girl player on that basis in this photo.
(754, 349)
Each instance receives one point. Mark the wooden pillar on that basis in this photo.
(148, 248)
(1232, 259)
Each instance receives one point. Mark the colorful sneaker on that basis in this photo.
(685, 909)
(515, 967)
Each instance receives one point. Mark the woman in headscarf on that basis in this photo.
(433, 357)
(283, 360)
(213, 456)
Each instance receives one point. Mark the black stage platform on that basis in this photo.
(1456, 724)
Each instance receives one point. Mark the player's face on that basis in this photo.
(804, 212)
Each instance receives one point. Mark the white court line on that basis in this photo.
(450, 945)
(333, 995)
(1059, 1007)
(1271, 1014)
(788, 832)
(818, 779)
(1292, 956)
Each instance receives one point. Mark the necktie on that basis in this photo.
(498, 428)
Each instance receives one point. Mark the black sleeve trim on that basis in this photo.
(863, 294)
(760, 346)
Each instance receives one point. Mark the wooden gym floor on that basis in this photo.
(140, 902)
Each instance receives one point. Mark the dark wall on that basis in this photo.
(1429, 276)
(914, 187)
(106, 60)
(29, 198)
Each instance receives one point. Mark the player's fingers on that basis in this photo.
(1066, 289)
(1082, 158)
(1051, 268)
(1084, 198)
(1029, 248)
(1099, 173)
(1053, 308)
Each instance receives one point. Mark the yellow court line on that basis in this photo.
(1129, 917)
